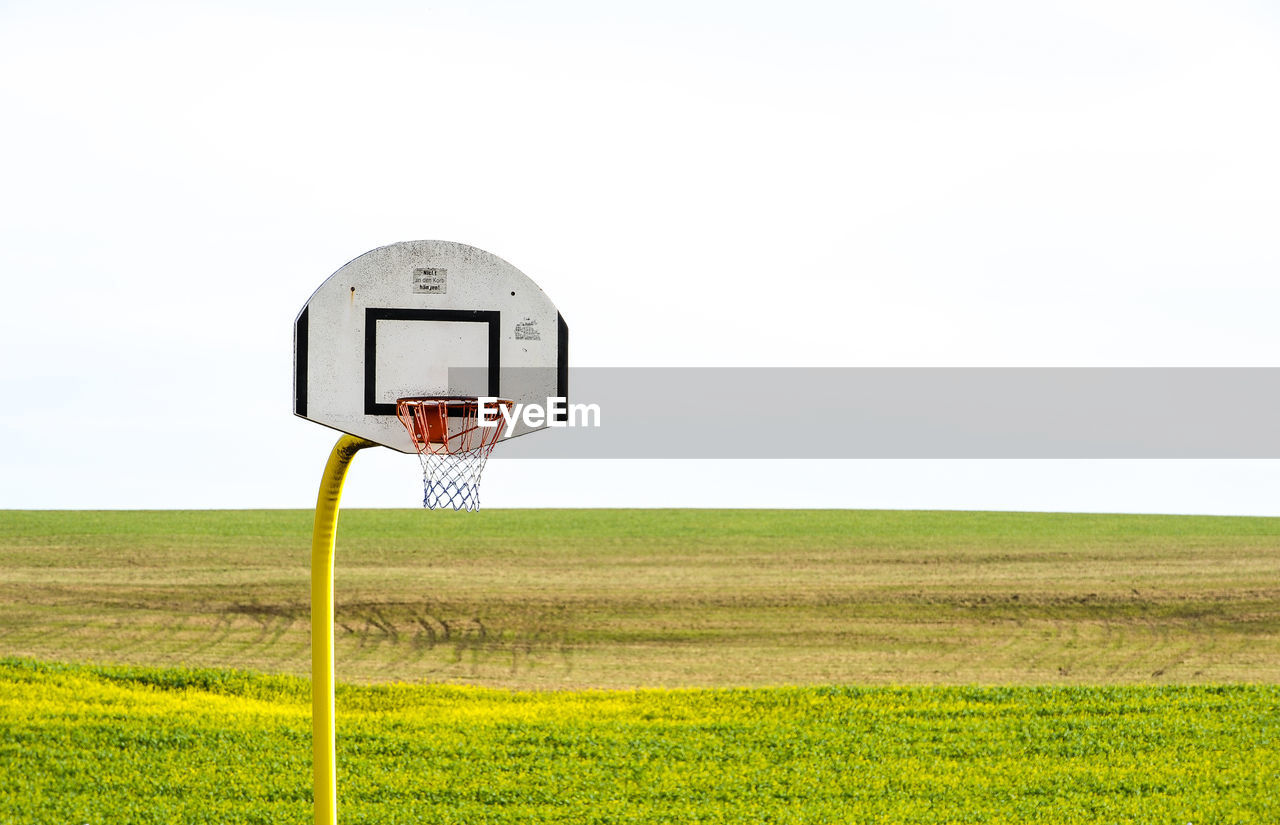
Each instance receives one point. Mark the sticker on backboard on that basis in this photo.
(527, 330)
(430, 280)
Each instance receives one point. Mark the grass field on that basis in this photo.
(830, 666)
(136, 745)
(567, 599)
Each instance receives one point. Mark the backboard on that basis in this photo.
(423, 318)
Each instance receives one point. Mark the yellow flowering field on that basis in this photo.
(82, 744)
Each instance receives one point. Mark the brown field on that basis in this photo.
(624, 598)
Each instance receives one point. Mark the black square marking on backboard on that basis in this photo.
(372, 316)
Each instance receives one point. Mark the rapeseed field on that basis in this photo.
(83, 744)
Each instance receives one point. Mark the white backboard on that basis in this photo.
(424, 318)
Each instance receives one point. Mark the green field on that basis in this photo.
(566, 599)
(164, 746)
(645, 666)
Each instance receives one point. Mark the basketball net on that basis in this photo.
(452, 447)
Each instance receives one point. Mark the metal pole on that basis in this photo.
(323, 766)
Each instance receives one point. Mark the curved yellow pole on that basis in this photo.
(324, 769)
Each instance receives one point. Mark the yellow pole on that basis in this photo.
(324, 776)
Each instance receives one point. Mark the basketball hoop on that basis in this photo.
(452, 446)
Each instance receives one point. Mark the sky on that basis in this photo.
(694, 184)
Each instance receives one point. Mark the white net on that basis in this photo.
(452, 447)
(452, 479)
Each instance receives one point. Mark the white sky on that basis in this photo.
(1082, 183)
